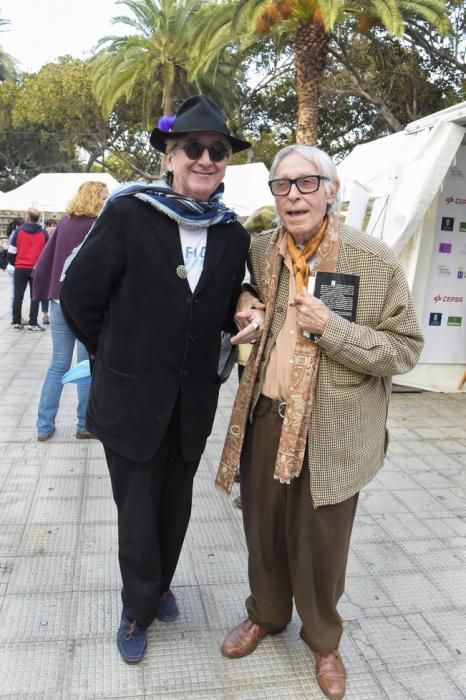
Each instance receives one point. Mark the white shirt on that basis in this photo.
(193, 245)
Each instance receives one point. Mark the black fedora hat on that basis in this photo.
(197, 113)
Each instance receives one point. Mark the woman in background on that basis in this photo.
(11, 227)
(81, 213)
(50, 226)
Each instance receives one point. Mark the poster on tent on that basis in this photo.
(445, 305)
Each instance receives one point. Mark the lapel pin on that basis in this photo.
(181, 272)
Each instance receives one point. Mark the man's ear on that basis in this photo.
(334, 192)
(168, 161)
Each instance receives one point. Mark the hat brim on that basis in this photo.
(158, 139)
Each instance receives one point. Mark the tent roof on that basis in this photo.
(376, 164)
(403, 173)
(50, 192)
(455, 113)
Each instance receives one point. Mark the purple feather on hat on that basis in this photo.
(166, 123)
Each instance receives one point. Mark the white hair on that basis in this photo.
(324, 165)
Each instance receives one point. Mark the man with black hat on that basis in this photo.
(149, 293)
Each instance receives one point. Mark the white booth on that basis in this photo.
(409, 190)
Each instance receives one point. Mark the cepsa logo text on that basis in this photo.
(455, 200)
(447, 299)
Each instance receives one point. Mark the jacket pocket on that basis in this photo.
(110, 397)
(343, 376)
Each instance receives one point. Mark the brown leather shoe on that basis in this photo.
(84, 435)
(243, 639)
(331, 674)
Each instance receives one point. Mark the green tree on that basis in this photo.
(26, 151)
(446, 52)
(58, 103)
(50, 121)
(310, 23)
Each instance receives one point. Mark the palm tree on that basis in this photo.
(7, 66)
(155, 58)
(7, 62)
(310, 24)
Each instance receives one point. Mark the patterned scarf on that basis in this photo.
(300, 257)
(300, 399)
(181, 209)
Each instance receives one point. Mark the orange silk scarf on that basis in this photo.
(300, 257)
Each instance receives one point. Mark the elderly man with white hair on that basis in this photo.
(332, 316)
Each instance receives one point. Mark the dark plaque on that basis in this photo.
(339, 292)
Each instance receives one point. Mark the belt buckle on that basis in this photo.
(282, 409)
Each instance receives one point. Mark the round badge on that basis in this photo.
(181, 272)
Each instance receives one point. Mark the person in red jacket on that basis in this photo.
(25, 247)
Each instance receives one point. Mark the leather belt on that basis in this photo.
(268, 405)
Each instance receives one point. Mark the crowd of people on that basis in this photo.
(147, 295)
(21, 252)
(35, 256)
(25, 245)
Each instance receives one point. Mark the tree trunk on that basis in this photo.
(167, 106)
(311, 47)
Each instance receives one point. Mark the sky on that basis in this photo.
(42, 30)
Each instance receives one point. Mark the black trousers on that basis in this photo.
(23, 278)
(295, 551)
(154, 500)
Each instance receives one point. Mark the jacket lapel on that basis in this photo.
(169, 236)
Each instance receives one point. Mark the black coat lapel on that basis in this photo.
(218, 238)
(169, 236)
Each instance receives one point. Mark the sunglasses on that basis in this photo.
(195, 149)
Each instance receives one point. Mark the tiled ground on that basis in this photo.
(405, 600)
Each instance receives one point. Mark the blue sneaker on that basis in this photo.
(131, 640)
(168, 610)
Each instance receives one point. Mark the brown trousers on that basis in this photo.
(295, 550)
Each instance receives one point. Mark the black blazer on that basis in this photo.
(154, 339)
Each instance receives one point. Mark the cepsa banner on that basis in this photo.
(445, 306)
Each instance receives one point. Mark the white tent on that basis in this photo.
(50, 192)
(416, 183)
(246, 188)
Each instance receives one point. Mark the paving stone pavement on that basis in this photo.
(405, 600)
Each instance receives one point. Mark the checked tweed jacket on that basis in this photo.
(347, 437)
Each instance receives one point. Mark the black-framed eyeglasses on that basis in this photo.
(195, 149)
(306, 184)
